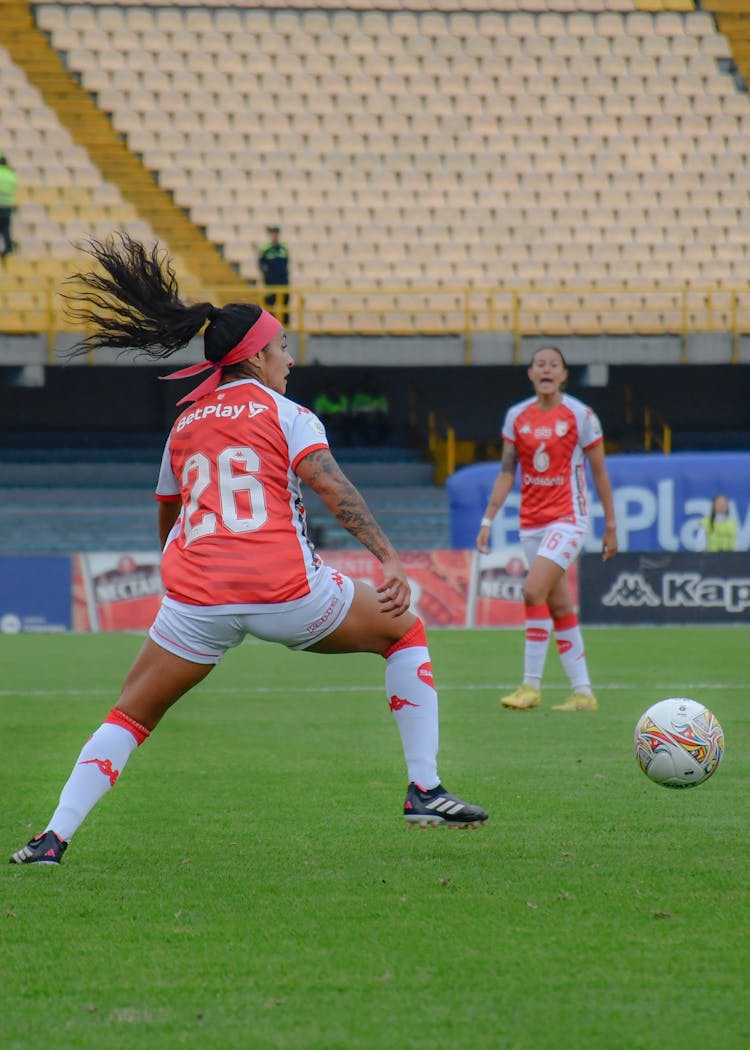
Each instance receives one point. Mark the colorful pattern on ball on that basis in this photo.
(674, 728)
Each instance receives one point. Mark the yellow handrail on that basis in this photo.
(662, 437)
(442, 447)
(31, 304)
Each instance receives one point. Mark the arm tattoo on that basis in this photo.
(323, 475)
(509, 459)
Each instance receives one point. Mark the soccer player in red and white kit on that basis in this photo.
(550, 435)
(236, 555)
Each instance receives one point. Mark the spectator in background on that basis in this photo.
(370, 414)
(8, 186)
(718, 532)
(273, 261)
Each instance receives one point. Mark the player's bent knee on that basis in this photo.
(415, 635)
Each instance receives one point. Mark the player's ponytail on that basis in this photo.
(132, 300)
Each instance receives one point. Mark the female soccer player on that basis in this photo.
(236, 556)
(549, 435)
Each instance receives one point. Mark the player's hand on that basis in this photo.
(609, 543)
(394, 593)
(483, 540)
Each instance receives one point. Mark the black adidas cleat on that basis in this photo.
(46, 848)
(436, 806)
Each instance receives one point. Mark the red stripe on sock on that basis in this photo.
(537, 612)
(565, 623)
(116, 717)
(416, 635)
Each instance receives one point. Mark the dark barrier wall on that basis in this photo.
(78, 398)
(709, 406)
(665, 589)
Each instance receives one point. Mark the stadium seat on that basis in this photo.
(421, 113)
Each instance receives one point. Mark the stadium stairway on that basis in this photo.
(61, 500)
(399, 490)
(30, 49)
(733, 20)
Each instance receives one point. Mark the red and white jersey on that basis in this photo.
(550, 446)
(241, 537)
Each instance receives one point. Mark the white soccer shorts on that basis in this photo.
(203, 634)
(561, 542)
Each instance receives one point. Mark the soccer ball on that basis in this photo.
(678, 742)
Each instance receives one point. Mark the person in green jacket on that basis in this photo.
(718, 532)
(8, 184)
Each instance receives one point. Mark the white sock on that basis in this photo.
(570, 647)
(99, 765)
(413, 701)
(538, 633)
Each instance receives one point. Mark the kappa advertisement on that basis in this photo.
(666, 589)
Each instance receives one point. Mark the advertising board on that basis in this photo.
(659, 501)
(35, 593)
(665, 589)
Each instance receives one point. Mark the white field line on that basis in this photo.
(444, 687)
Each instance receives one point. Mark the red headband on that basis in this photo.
(254, 340)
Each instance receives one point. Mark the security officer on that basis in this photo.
(273, 262)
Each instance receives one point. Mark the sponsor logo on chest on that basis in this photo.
(545, 432)
(251, 408)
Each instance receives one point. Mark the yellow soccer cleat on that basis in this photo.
(522, 698)
(578, 702)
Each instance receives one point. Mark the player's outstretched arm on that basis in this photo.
(501, 488)
(320, 472)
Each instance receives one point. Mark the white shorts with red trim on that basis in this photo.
(203, 634)
(561, 542)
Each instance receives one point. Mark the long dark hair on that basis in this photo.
(133, 303)
(719, 495)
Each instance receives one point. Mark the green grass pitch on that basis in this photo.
(250, 884)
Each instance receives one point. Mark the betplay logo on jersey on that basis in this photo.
(221, 412)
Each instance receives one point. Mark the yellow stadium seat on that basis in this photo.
(502, 124)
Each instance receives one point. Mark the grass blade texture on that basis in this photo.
(250, 883)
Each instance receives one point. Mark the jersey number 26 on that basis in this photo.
(198, 473)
